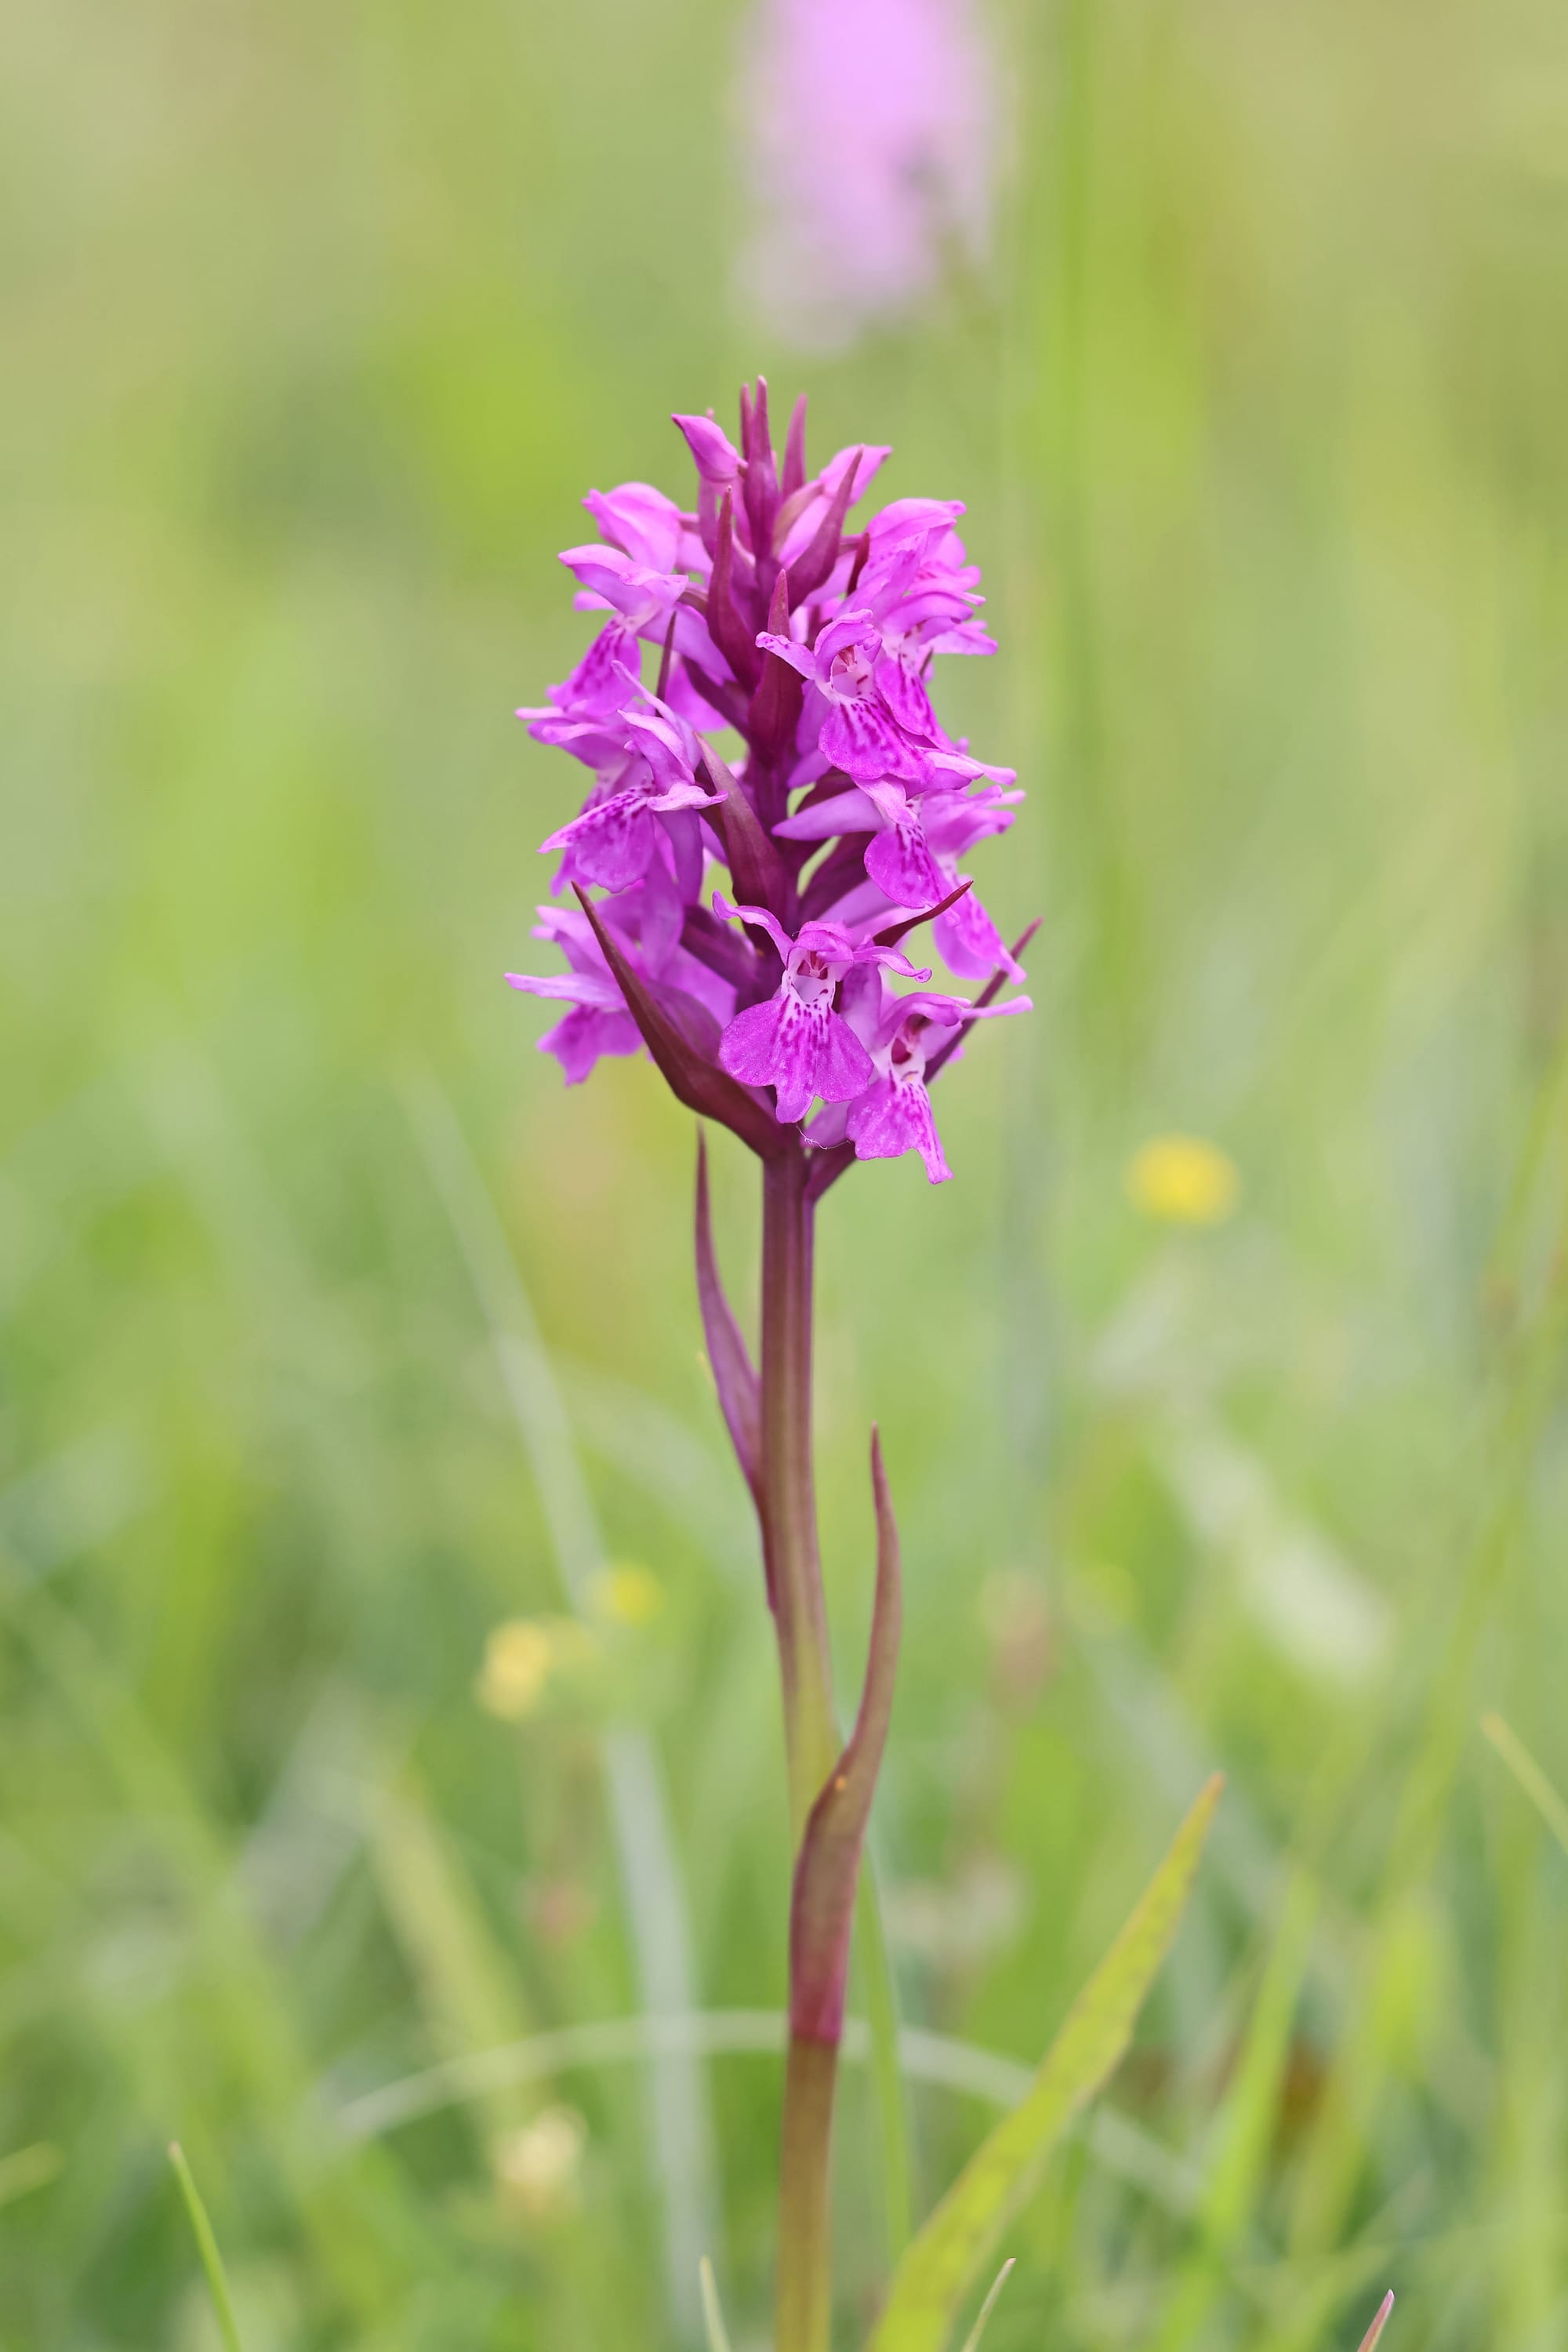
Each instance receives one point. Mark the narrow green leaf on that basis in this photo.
(206, 2246)
(712, 2309)
(939, 2267)
(1243, 2126)
(881, 1994)
(1529, 1775)
(680, 2125)
(972, 2341)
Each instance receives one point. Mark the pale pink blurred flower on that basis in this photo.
(870, 136)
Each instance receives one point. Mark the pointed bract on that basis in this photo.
(734, 1375)
(822, 1911)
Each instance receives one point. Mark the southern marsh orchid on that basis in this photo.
(841, 825)
(870, 139)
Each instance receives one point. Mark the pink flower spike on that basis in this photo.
(807, 626)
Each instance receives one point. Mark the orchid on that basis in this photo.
(841, 827)
(870, 139)
(798, 1043)
(907, 1039)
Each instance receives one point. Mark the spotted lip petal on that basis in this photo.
(801, 1050)
(892, 1117)
(860, 738)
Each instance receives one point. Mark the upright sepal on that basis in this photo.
(734, 640)
(690, 1077)
(794, 452)
(734, 1375)
(774, 712)
(808, 572)
(759, 873)
(823, 1910)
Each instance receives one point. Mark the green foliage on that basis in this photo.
(207, 2246)
(940, 2264)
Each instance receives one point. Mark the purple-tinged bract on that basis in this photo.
(763, 609)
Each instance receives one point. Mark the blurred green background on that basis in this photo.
(320, 318)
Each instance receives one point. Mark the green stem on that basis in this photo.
(811, 1738)
(803, 2311)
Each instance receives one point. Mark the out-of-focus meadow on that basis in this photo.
(320, 321)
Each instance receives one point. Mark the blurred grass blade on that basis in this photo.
(468, 1988)
(940, 2264)
(881, 1994)
(1529, 1775)
(1246, 2123)
(1379, 2324)
(211, 2261)
(678, 2121)
(972, 2341)
(26, 2168)
(712, 2309)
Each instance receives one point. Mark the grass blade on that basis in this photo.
(877, 1982)
(680, 2124)
(1529, 1775)
(972, 2341)
(940, 2264)
(712, 2309)
(29, 2168)
(1244, 2125)
(207, 2245)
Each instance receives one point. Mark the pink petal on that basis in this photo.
(579, 1041)
(968, 942)
(611, 842)
(641, 521)
(905, 697)
(899, 862)
(799, 657)
(841, 1065)
(861, 739)
(894, 1116)
(748, 1048)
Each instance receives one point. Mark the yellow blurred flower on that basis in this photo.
(627, 1595)
(538, 2167)
(520, 1657)
(1183, 1180)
